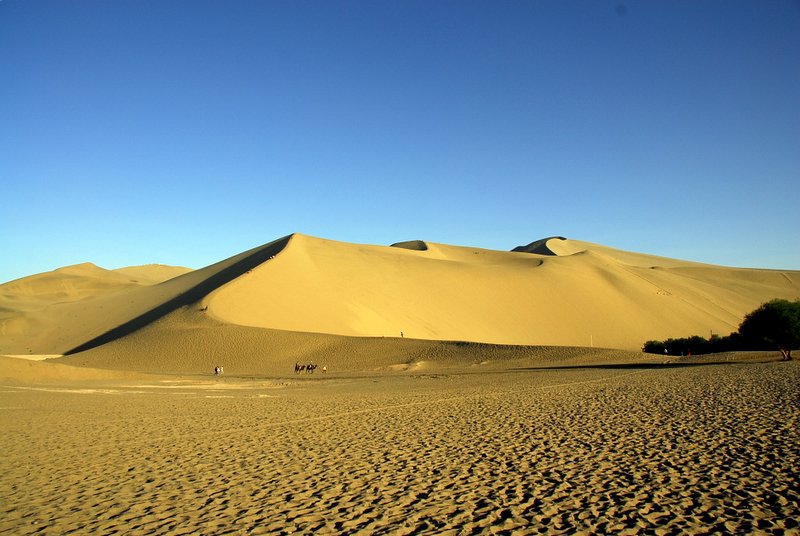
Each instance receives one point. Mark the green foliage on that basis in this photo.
(775, 324)
(694, 345)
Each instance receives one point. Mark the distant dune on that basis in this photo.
(305, 294)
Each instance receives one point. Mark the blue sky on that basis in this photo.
(183, 132)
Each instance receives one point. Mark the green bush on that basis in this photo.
(693, 345)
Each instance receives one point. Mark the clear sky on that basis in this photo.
(184, 132)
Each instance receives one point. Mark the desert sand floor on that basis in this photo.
(638, 450)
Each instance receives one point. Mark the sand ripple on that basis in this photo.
(700, 449)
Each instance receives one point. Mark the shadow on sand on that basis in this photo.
(192, 295)
(644, 366)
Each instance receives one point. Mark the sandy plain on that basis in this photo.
(637, 449)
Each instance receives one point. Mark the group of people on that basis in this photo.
(308, 368)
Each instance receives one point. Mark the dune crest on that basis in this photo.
(540, 247)
(416, 245)
(67, 311)
(570, 293)
(152, 273)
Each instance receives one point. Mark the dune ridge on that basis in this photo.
(152, 273)
(578, 295)
(31, 321)
(190, 291)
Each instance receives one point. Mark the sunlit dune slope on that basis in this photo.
(581, 295)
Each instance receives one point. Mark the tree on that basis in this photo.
(654, 347)
(775, 324)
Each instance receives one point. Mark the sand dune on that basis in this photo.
(150, 274)
(43, 325)
(566, 293)
(584, 295)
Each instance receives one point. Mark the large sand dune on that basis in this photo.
(585, 295)
(299, 294)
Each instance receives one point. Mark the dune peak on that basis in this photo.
(415, 245)
(539, 247)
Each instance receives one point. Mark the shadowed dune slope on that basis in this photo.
(584, 295)
(416, 245)
(539, 246)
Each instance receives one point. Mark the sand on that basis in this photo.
(587, 295)
(468, 391)
(642, 449)
(580, 295)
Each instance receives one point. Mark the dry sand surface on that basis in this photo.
(578, 294)
(584, 295)
(640, 449)
(461, 396)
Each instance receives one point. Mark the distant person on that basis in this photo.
(401, 335)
